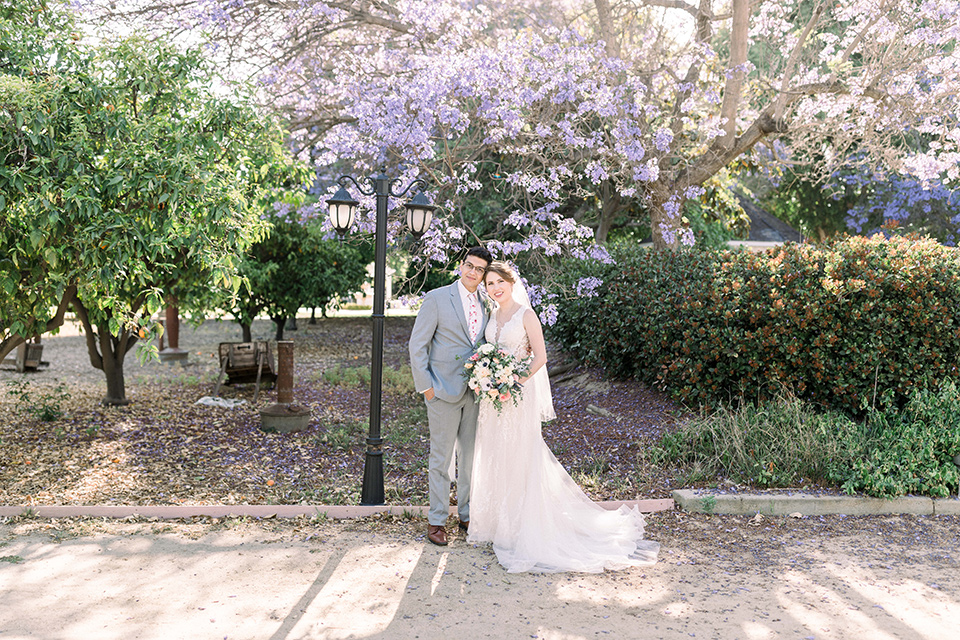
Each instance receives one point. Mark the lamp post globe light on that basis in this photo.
(343, 209)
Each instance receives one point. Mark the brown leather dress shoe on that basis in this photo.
(464, 525)
(437, 535)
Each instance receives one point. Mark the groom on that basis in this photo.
(448, 328)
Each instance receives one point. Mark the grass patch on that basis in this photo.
(410, 427)
(895, 451)
(344, 435)
(601, 478)
(397, 381)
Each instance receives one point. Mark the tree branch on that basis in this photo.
(674, 4)
(793, 59)
(702, 34)
(12, 342)
(95, 358)
(733, 87)
(689, 8)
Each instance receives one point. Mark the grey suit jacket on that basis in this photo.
(440, 343)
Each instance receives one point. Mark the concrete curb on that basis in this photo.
(809, 504)
(261, 511)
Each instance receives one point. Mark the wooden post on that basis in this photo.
(284, 372)
(173, 326)
(171, 323)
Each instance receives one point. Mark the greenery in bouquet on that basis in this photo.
(494, 375)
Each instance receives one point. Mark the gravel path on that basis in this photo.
(718, 577)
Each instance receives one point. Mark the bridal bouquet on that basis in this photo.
(493, 375)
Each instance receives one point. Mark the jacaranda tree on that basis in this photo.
(641, 100)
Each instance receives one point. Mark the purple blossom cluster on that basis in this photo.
(662, 139)
(548, 315)
(587, 287)
(932, 208)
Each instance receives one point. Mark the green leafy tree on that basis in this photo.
(807, 204)
(127, 174)
(294, 266)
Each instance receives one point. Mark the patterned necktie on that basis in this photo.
(473, 317)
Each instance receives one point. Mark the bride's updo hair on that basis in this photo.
(502, 269)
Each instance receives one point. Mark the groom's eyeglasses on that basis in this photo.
(472, 268)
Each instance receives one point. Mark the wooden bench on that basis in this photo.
(27, 357)
(244, 362)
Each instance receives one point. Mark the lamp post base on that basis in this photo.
(372, 493)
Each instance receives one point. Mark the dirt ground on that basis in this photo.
(164, 449)
(718, 577)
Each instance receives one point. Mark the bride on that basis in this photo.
(522, 500)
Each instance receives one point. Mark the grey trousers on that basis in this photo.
(453, 428)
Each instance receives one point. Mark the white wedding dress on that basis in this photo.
(524, 502)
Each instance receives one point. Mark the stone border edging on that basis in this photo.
(261, 511)
(811, 505)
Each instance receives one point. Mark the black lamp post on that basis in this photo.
(419, 215)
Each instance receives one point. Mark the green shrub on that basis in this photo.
(44, 405)
(579, 309)
(912, 449)
(831, 324)
(773, 445)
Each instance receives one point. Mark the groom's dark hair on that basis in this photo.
(482, 253)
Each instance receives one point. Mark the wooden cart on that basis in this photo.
(244, 362)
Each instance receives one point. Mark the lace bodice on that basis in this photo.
(510, 335)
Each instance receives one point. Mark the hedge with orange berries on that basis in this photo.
(838, 324)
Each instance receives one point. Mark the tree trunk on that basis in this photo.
(610, 206)
(112, 359)
(172, 316)
(106, 353)
(607, 29)
(292, 323)
(313, 316)
(664, 228)
(279, 321)
(247, 333)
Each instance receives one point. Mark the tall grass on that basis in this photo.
(773, 445)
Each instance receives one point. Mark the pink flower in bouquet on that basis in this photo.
(504, 396)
